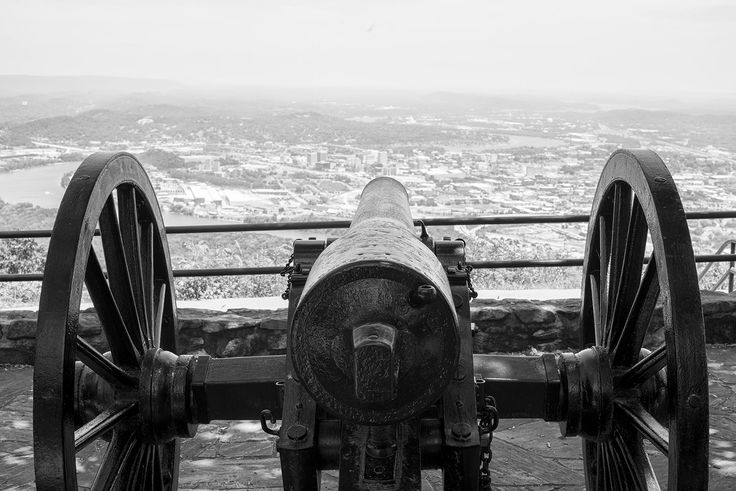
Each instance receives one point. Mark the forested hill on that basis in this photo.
(25, 216)
(151, 122)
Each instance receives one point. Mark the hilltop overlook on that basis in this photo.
(291, 155)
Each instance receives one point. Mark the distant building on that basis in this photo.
(383, 157)
(389, 169)
(422, 162)
(325, 165)
(354, 163)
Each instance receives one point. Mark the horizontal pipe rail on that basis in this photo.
(252, 271)
(513, 219)
(268, 270)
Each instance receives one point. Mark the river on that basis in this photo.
(41, 186)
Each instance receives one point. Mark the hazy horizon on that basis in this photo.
(671, 49)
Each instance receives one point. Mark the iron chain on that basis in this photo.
(288, 271)
(467, 268)
(486, 425)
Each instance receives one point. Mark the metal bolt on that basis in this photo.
(426, 293)
(694, 400)
(460, 373)
(423, 295)
(297, 432)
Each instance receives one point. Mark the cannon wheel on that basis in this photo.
(135, 303)
(637, 209)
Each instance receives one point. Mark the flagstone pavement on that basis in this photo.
(527, 454)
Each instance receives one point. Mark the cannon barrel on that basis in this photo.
(374, 337)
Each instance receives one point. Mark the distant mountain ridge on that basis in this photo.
(16, 85)
(149, 122)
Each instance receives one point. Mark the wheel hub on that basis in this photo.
(162, 396)
(586, 385)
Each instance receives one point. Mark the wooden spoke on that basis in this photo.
(147, 269)
(644, 369)
(619, 228)
(622, 473)
(147, 481)
(157, 478)
(598, 468)
(119, 452)
(159, 315)
(631, 337)
(102, 366)
(602, 479)
(168, 454)
(644, 423)
(130, 234)
(628, 273)
(125, 345)
(603, 279)
(150, 479)
(100, 425)
(608, 468)
(616, 466)
(596, 300)
(117, 268)
(628, 474)
(136, 474)
(634, 463)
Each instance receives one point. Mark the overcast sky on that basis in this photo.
(684, 46)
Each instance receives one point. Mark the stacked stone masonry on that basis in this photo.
(501, 326)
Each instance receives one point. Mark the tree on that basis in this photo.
(162, 159)
(20, 256)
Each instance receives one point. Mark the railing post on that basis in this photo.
(730, 268)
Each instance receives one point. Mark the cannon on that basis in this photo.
(379, 380)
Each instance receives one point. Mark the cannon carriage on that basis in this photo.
(379, 380)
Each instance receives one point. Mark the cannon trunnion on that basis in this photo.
(379, 380)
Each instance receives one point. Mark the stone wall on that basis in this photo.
(502, 325)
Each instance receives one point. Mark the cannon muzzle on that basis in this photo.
(375, 336)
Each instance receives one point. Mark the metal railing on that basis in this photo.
(729, 273)
(440, 221)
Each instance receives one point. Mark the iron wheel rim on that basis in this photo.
(637, 198)
(144, 317)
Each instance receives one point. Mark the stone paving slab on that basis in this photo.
(527, 454)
